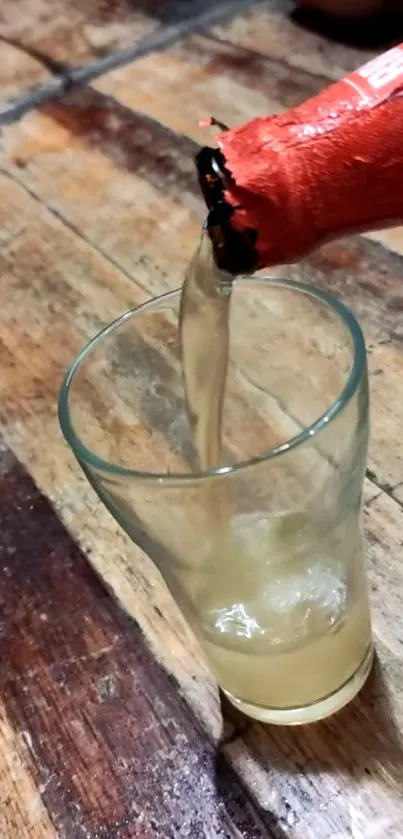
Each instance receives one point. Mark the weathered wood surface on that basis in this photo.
(114, 751)
(75, 31)
(22, 811)
(19, 72)
(100, 209)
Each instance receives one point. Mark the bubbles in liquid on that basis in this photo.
(274, 583)
(283, 623)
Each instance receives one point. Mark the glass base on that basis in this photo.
(310, 713)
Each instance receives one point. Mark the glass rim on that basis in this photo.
(94, 461)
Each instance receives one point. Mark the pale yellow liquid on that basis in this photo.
(285, 621)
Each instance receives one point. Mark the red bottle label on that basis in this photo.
(380, 78)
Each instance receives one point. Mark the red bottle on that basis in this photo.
(282, 185)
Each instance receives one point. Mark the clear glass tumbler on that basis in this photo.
(264, 555)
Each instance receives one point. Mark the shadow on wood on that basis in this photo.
(379, 31)
(357, 741)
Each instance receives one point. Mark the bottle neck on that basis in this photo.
(234, 250)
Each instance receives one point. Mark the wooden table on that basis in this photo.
(111, 726)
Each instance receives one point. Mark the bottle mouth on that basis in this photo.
(234, 250)
(213, 176)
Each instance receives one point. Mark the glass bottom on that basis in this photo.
(317, 710)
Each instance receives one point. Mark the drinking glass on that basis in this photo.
(263, 554)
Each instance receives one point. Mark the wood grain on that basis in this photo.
(22, 812)
(100, 210)
(338, 779)
(45, 276)
(271, 30)
(18, 72)
(89, 699)
(75, 31)
(223, 79)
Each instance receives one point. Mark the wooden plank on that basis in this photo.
(112, 746)
(141, 167)
(49, 616)
(56, 290)
(340, 779)
(273, 31)
(57, 275)
(18, 72)
(22, 812)
(75, 32)
(221, 79)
